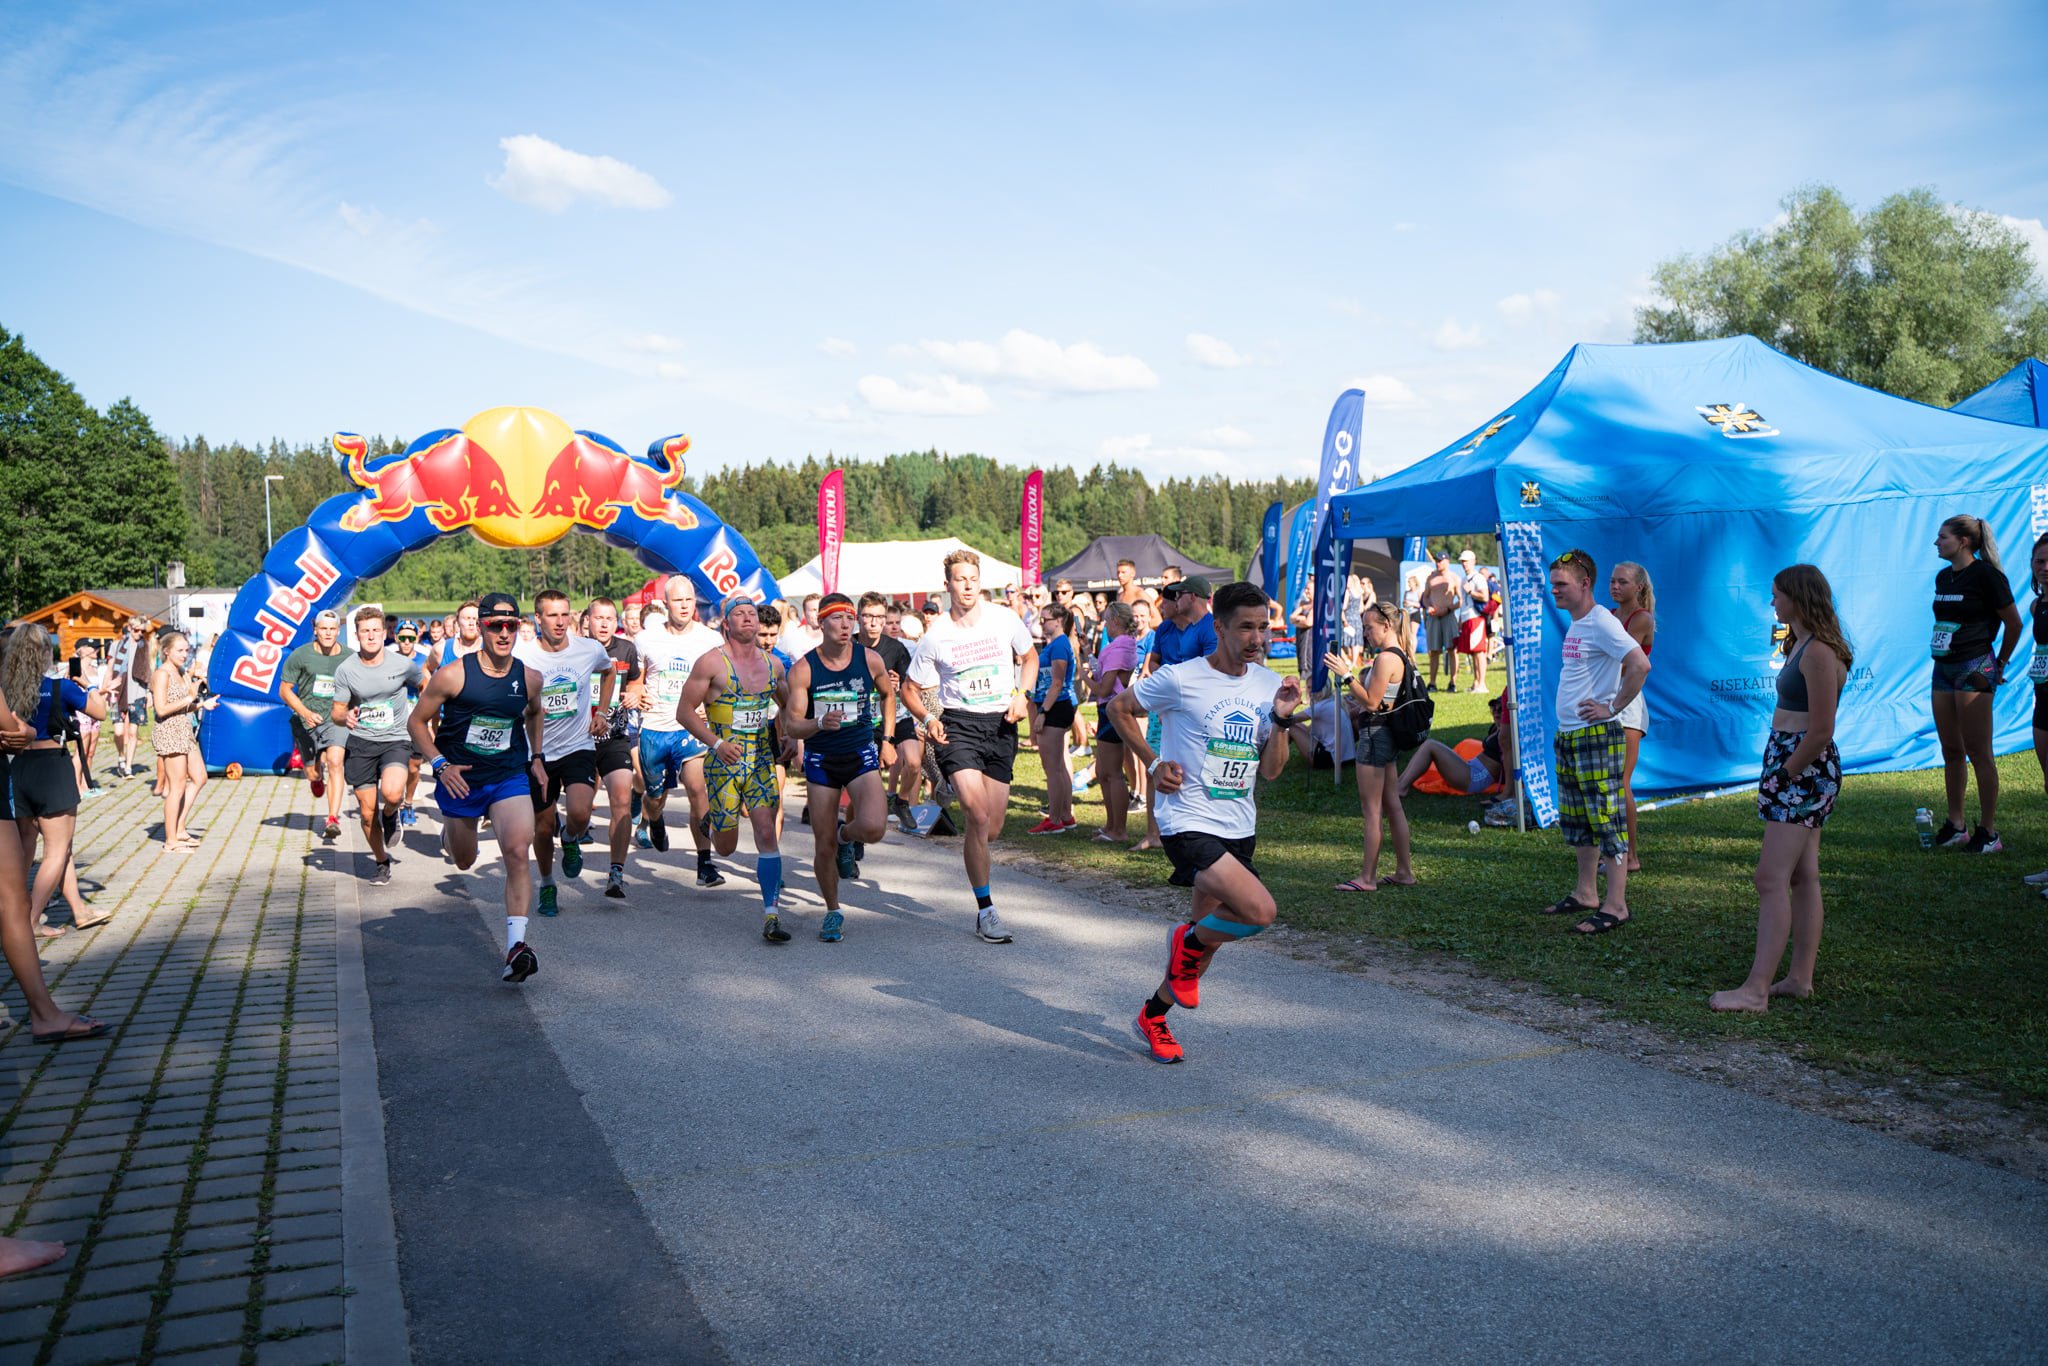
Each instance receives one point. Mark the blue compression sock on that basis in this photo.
(769, 869)
(1236, 929)
(982, 900)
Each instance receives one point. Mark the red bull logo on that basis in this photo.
(283, 613)
(517, 478)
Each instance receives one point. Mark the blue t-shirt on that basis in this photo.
(1058, 648)
(1178, 645)
(1145, 644)
(72, 699)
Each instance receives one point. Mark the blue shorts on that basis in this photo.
(839, 770)
(1478, 777)
(480, 800)
(662, 756)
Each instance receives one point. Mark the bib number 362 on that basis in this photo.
(489, 735)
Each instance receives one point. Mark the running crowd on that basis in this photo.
(520, 718)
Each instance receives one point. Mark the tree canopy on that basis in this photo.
(1916, 297)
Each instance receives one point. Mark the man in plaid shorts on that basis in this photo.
(1603, 671)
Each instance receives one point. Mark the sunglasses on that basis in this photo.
(501, 624)
(407, 640)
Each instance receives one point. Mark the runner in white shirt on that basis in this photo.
(571, 726)
(971, 656)
(669, 649)
(1224, 720)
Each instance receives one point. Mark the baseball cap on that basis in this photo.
(329, 617)
(408, 624)
(1193, 585)
(497, 605)
(1467, 555)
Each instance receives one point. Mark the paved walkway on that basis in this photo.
(191, 1158)
(678, 1143)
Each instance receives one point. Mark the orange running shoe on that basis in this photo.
(1185, 960)
(1157, 1037)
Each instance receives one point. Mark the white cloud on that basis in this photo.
(2036, 235)
(1215, 353)
(1385, 391)
(551, 177)
(838, 412)
(653, 343)
(1404, 227)
(1517, 308)
(1451, 337)
(837, 346)
(1138, 450)
(671, 370)
(1126, 448)
(1226, 435)
(362, 222)
(925, 396)
(1346, 308)
(1041, 363)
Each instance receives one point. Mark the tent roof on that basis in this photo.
(895, 567)
(2020, 395)
(1151, 554)
(1687, 427)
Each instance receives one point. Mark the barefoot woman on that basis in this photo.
(1802, 778)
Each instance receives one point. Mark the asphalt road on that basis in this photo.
(915, 1147)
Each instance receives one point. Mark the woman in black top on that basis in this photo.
(1971, 601)
(2037, 673)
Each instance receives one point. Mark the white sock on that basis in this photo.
(515, 931)
(547, 879)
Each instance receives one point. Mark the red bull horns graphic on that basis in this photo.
(516, 478)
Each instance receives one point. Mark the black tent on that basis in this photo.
(1095, 567)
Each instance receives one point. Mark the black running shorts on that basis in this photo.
(614, 754)
(1193, 850)
(979, 741)
(364, 761)
(571, 770)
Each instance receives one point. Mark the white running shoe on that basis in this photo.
(988, 927)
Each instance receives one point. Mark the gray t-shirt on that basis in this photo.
(380, 692)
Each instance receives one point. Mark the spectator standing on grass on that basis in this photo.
(1972, 601)
(1635, 606)
(1114, 667)
(179, 700)
(1802, 778)
(1372, 690)
(1603, 669)
(1477, 625)
(1440, 594)
(1053, 697)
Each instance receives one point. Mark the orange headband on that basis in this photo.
(835, 608)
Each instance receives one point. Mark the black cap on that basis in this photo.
(497, 605)
(1193, 585)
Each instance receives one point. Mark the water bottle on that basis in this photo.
(1923, 826)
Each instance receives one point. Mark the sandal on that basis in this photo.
(1600, 922)
(81, 1027)
(1357, 885)
(1392, 881)
(1568, 906)
(93, 923)
(45, 930)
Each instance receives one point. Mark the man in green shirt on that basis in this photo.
(308, 689)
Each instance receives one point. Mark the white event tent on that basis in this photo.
(898, 568)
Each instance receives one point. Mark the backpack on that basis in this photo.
(1408, 720)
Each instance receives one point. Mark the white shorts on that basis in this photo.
(1635, 716)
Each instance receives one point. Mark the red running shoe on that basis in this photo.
(315, 783)
(1158, 1038)
(1049, 826)
(1185, 959)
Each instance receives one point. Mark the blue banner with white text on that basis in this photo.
(1333, 557)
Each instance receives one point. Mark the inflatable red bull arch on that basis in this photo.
(516, 478)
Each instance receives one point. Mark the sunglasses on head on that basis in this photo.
(501, 624)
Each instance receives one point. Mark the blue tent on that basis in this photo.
(2020, 395)
(1715, 464)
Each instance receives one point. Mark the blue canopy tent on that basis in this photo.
(2020, 396)
(1715, 464)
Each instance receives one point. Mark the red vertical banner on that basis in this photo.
(831, 527)
(1031, 526)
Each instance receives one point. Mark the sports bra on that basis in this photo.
(1791, 682)
(1653, 628)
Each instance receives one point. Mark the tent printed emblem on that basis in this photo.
(1737, 420)
(1780, 633)
(1532, 494)
(1491, 430)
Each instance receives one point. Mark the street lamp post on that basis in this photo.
(268, 537)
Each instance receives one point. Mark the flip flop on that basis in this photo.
(93, 923)
(51, 931)
(1102, 837)
(1567, 906)
(1356, 885)
(91, 1029)
(1392, 881)
(1600, 922)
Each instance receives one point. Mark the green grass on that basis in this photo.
(1933, 964)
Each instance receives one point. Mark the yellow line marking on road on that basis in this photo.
(1108, 1121)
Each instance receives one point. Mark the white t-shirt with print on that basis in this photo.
(1214, 726)
(666, 658)
(973, 665)
(1593, 650)
(565, 693)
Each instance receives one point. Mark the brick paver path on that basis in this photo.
(191, 1158)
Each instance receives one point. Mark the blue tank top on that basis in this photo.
(851, 693)
(484, 724)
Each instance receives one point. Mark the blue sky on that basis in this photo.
(1166, 234)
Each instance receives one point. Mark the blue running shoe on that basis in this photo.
(832, 927)
(572, 859)
(547, 901)
(848, 868)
